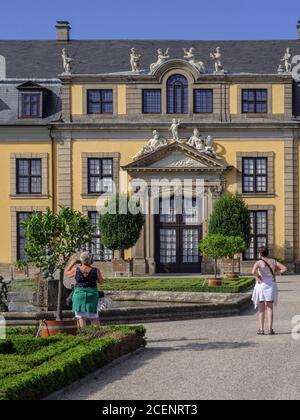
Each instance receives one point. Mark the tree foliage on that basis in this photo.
(120, 224)
(214, 246)
(234, 245)
(231, 217)
(51, 239)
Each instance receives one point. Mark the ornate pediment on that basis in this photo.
(176, 156)
(177, 159)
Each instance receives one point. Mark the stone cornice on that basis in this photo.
(136, 125)
(155, 77)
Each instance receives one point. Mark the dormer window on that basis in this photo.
(31, 105)
(31, 100)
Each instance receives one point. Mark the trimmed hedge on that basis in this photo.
(196, 285)
(60, 360)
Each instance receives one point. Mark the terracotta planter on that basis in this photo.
(232, 276)
(215, 281)
(51, 328)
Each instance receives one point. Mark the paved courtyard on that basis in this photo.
(207, 359)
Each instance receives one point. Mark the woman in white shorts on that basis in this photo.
(265, 294)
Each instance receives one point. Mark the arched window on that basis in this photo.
(177, 95)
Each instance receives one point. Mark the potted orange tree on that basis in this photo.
(231, 218)
(215, 247)
(51, 239)
(235, 246)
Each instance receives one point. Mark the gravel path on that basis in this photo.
(207, 359)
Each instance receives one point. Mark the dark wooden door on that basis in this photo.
(177, 238)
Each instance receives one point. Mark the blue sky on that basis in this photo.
(151, 19)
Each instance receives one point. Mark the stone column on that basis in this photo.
(139, 261)
(291, 202)
(64, 172)
(66, 99)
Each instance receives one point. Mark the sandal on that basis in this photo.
(272, 332)
(260, 332)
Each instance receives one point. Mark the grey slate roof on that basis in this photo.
(42, 59)
(9, 104)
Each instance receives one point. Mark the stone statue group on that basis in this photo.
(189, 55)
(202, 144)
(285, 67)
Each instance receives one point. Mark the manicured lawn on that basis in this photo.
(172, 284)
(177, 285)
(32, 368)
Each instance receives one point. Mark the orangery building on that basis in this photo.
(77, 115)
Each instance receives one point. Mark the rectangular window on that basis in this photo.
(254, 101)
(100, 101)
(259, 237)
(151, 101)
(255, 175)
(100, 253)
(31, 105)
(21, 242)
(100, 175)
(29, 176)
(203, 101)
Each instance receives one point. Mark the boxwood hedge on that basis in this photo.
(32, 368)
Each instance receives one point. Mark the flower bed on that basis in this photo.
(32, 368)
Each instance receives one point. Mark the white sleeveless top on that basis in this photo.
(264, 270)
(267, 290)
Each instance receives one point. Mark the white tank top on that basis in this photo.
(264, 270)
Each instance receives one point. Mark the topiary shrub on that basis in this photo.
(120, 227)
(231, 217)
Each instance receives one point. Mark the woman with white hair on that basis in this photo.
(85, 297)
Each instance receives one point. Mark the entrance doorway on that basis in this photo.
(177, 238)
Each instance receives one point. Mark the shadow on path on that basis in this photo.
(93, 384)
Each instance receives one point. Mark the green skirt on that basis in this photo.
(85, 300)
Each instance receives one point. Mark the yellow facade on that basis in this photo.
(76, 100)
(278, 92)
(6, 202)
(233, 97)
(128, 129)
(261, 145)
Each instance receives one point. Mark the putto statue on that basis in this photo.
(135, 61)
(67, 61)
(287, 61)
(174, 129)
(156, 142)
(162, 57)
(197, 141)
(190, 56)
(216, 56)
